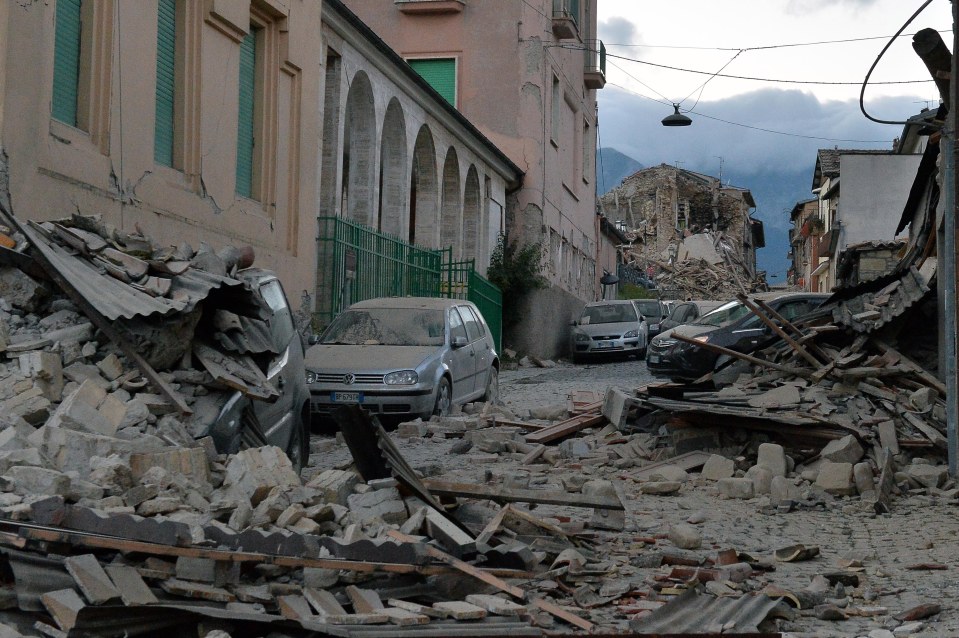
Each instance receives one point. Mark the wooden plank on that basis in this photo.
(565, 428)
(557, 611)
(923, 374)
(533, 455)
(464, 567)
(930, 432)
(494, 421)
(505, 495)
(800, 350)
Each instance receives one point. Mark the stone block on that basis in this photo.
(718, 467)
(862, 475)
(836, 478)
(335, 486)
(685, 536)
(190, 463)
(290, 515)
(79, 411)
(616, 406)
(21, 290)
(412, 429)
(761, 477)
(111, 473)
(383, 504)
(269, 509)
(29, 480)
(110, 367)
(93, 582)
(64, 606)
(29, 405)
(669, 473)
(604, 518)
(927, 475)
(742, 488)
(46, 369)
(256, 471)
(844, 450)
(660, 488)
(772, 456)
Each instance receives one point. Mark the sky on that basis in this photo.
(778, 121)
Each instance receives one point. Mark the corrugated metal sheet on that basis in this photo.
(113, 298)
(696, 613)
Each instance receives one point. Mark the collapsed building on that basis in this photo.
(687, 230)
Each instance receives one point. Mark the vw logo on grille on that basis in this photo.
(349, 378)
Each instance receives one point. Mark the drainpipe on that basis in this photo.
(948, 254)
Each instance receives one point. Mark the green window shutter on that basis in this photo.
(66, 62)
(166, 84)
(244, 138)
(440, 73)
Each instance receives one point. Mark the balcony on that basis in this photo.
(594, 75)
(566, 19)
(430, 6)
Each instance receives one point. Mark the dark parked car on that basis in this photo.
(283, 421)
(687, 312)
(731, 326)
(654, 311)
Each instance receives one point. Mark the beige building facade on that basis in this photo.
(526, 74)
(192, 121)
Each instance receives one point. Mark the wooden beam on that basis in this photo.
(565, 428)
(801, 351)
(799, 372)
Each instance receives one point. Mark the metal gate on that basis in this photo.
(356, 262)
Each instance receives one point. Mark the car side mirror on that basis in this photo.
(313, 340)
(459, 342)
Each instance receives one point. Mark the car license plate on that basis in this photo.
(347, 397)
(654, 358)
(604, 344)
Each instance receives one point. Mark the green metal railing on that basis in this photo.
(355, 262)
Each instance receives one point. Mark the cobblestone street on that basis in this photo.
(901, 560)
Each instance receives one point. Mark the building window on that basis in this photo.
(555, 111)
(66, 62)
(245, 139)
(166, 83)
(83, 68)
(588, 146)
(440, 73)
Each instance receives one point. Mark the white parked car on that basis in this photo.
(608, 328)
(403, 357)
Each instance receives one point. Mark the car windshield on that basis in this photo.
(678, 312)
(610, 313)
(649, 308)
(387, 327)
(724, 315)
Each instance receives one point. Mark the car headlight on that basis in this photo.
(702, 338)
(665, 343)
(310, 376)
(631, 333)
(579, 336)
(403, 377)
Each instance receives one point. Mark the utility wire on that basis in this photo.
(747, 126)
(770, 46)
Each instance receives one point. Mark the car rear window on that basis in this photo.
(650, 309)
(388, 327)
(609, 313)
(281, 323)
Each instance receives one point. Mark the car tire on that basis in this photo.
(444, 398)
(492, 387)
(298, 451)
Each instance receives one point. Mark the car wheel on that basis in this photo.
(444, 398)
(492, 387)
(298, 451)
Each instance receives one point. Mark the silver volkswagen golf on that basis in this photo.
(403, 357)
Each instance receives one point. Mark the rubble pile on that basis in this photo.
(703, 265)
(141, 520)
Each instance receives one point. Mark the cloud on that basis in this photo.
(751, 131)
(805, 7)
(619, 30)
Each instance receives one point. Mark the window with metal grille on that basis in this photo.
(440, 73)
(165, 118)
(245, 126)
(66, 62)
